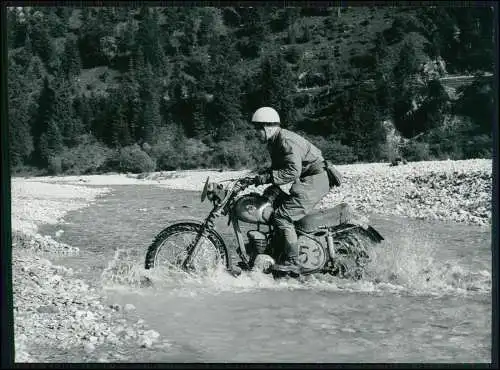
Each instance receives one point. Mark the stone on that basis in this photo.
(88, 347)
(145, 342)
(129, 307)
(48, 309)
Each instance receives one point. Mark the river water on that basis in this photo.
(427, 296)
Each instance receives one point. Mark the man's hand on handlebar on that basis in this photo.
(262, 179)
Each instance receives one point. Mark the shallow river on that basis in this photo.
(427, 297)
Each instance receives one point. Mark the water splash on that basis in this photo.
(124, 269)
(402, 267)
(414, 266)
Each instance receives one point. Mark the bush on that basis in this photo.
(87, 157)
(133, 159)
(334, 150)
(181, 153)
(237, 153)
(479, 146)
(28, 171)
(363, 61)
(416, 151)
(54, 167)
(293, 54)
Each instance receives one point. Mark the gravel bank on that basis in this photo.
(459, 191)
(55, 310)
(52, 309)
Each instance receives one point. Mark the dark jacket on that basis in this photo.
(292, 157)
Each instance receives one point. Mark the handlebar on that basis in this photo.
(245, 181)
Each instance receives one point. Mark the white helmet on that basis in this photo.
(266, 115)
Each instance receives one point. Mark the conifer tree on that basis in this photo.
(71, 63)
(20, 138)
(42, 121)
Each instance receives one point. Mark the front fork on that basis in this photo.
(193, 247)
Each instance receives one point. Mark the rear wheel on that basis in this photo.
(351, 255)
(169, 249)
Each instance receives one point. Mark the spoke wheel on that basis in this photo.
(168, 251)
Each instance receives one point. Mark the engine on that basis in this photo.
(257, 243)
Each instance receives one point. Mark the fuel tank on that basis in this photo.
(253, 208)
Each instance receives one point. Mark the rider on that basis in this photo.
(296, 162)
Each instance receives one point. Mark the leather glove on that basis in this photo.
(262, 179)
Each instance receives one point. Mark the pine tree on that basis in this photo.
(151, 118)
(70, 126)
(407, 65)
(54, 140)
(40, 40)
(276, 87)
(71, 64)
(44, 117)
(12, 25)
(20, 138)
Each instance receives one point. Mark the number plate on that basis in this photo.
(311, 254)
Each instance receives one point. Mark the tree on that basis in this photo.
(148, 38)
(51, 142)
(16, 29)
(71, 63)
(405, 88)
(477, 102)
(70, 126)
(276, 87)
(41, 41)
(41, 123)
(151, 117)
(406, 66)
(20, 138)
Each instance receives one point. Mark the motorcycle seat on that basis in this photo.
(341, 213)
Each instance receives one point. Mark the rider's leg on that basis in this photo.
(304, 195)
(288, 237)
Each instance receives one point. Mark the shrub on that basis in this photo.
(293, 54)
(134, 159)
(181, 153)
(416, 151)
(54, 167)
(28, 171)
(89, 156)
(169, 159)
(334, 150)
(479, 146)
(363, 61)
(237, 153)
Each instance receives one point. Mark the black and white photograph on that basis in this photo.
(251, 183)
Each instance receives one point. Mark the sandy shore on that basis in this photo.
(54, 309)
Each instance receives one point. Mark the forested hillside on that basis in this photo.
(143, 89)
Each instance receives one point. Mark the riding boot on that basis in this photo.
(290, 264)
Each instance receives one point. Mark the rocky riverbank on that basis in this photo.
(52, 309)
(458, 191)
(54, 312)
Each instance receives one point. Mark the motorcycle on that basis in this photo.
(333, 241)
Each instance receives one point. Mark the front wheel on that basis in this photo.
(169, 249)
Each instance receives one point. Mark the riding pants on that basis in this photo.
(305, 193)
